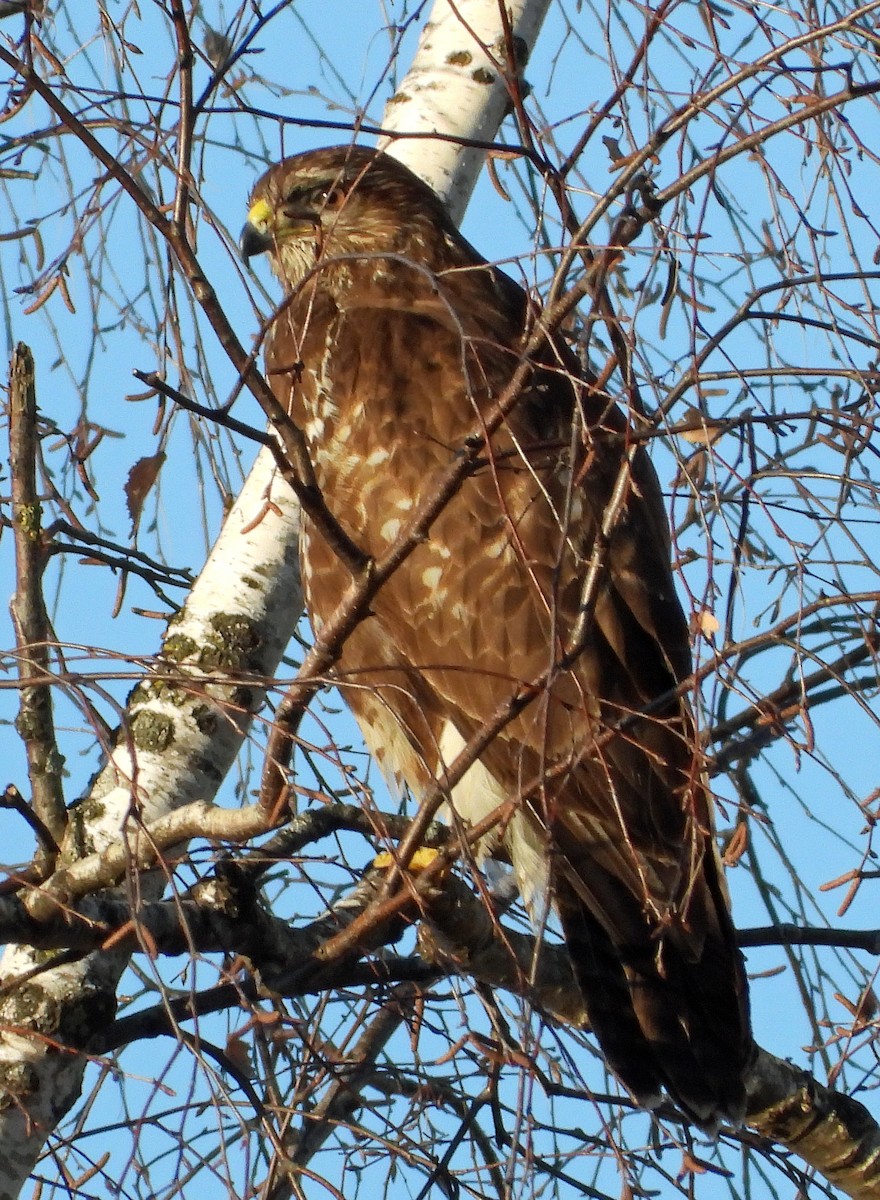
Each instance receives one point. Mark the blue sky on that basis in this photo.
(720, 234)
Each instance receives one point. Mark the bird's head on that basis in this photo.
(337, 204)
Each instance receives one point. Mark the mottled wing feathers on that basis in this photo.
(390, 355)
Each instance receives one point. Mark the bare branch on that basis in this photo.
(35, 722)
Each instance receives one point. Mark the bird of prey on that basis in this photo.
(392, 350)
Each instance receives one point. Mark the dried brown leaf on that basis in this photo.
(704, 431)
(141, 478)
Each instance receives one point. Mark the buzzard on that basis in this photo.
(392, 349)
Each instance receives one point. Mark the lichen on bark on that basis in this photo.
(152, 731)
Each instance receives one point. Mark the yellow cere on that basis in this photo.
(260, 214)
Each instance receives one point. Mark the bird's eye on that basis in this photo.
(317, 199)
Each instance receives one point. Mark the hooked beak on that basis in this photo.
(265, 229)
(253, 241)
(256, 236)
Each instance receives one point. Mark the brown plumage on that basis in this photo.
(395, 340)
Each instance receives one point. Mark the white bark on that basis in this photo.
(455, 87)
(178, 743)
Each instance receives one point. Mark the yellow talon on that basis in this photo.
(420, 861)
